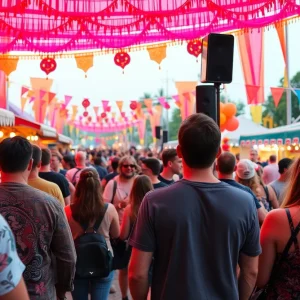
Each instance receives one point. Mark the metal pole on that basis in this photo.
(288, 90)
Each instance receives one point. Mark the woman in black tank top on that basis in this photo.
(279, 263)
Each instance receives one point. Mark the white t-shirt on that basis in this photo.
(122, 194)
(11, 267)
(70, 175)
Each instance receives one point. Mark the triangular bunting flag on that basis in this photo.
(297, 94)
(120, 104)
(51, 96)
(148, 103)
(187, 96)
(23, 103)
(105, 105)
(30, 94)
(31, 99)
(277, 94)
(252, 91)
(162, 100)
(68, 99)
(42, 94)
(256, 113)
(24, 90)
(96, 110)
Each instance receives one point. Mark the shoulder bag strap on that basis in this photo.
(75, 175)
(98, 223)
(268, 195)
(114, 191)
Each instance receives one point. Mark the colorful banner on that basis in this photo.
(281, 35)
(84, 62)
(252, 60)
(68, 100)
(39, 107)
(42, 94)
(105, 105)
(51, 96)
(96, 110)
(297, 92)
(24, 90)
(120, 104)
(256, 113)
(277, 94)
(3, 83)
(23, 102)
(187, 103)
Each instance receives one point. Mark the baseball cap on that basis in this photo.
(246, 169)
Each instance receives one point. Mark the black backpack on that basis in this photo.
(94, 259)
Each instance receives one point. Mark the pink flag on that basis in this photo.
(123, 114)
(68, 99)
(105, 104)
(162, 101)
(24, 90)
(96, 110)
(51, 97)
(176, 98)
(42, 94)
(31, 99)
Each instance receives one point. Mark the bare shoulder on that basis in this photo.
(275, 219)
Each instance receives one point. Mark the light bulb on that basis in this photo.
(289, 148)
(1, 134)
(12, 134)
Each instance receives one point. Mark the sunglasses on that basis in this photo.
(129, 166)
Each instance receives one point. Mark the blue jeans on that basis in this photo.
(99, 288)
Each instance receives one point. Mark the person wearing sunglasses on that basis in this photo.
(118, 190)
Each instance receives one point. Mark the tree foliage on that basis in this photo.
(279, 113)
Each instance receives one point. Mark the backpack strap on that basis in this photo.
(74, 176)
(98, 223)
(267, 196)
(114, 191)
(293, 230)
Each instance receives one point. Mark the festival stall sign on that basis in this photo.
(7, 118)
(52, 26)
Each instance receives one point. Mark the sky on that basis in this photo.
(107, 81)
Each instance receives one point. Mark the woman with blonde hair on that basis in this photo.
(246, 175)
(141, 186)
(279, 263)
(87, 210)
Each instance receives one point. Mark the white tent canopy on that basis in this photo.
(246, 126)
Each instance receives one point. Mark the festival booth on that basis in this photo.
(232, 138)
(282, 141)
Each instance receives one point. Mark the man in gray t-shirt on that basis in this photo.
(198, 229)
(280, 185)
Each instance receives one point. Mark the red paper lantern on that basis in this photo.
(167, 105)
(194, 48)
(85, 114)
(48, 65)
(86, 103)
(122, 59)
(225, 147)
(103, 115)
(90, 119)
(133, 105)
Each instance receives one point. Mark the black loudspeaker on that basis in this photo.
(206, 101)
(157, 132)
(165, 136)
(217, 58)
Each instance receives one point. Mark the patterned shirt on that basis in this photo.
(43, 238)
(11, 267)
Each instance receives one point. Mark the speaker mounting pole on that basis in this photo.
(218, 94)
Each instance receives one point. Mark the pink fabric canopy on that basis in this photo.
(60, 25)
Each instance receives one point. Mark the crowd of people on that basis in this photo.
(187, 223)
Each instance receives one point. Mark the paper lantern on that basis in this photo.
(122, 59)
(194, 48)
(133, 105)
(229, 110)
(85, 114)
(232, 124)
(225, 147)
(86, 103)
(90, 119)
(103, 115)
(48, 65)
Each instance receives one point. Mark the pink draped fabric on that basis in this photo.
(61, 25)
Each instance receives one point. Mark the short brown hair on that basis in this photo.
(199, 139)
(226, 163)
(168, 155)
(46, 156)
(36, 156)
